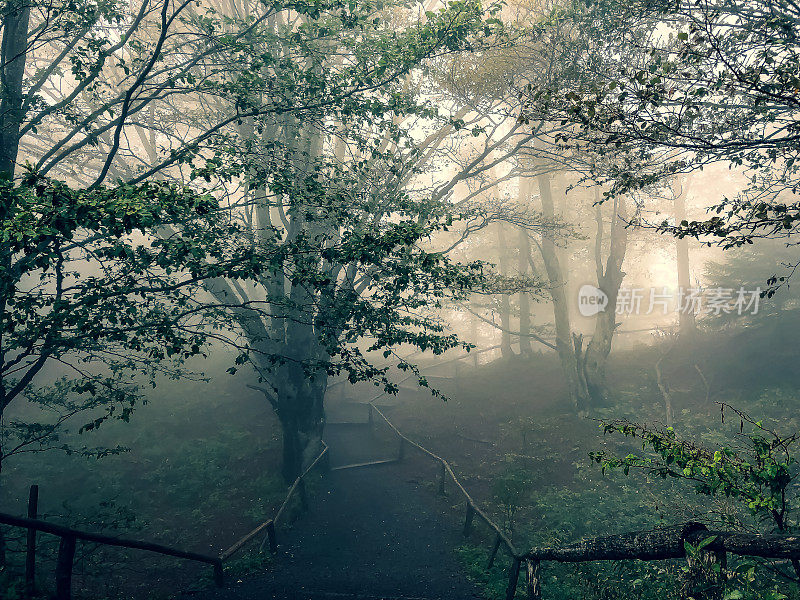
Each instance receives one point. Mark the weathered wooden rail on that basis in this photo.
(268, 526)
(66, 549)
(471, 507)
(657, 544)
(662, 543)
(69, 537)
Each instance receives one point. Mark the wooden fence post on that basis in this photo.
(66, 557)
(533, 580)
(468, 519)
(30, 550)
(493, 554)
(513, 578)
(273, 543)
(442, 476)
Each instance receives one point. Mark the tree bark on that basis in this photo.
(524, 299)
(300, 394)
(564, 341)
(687, 324)
(505, 304)
(656, 544)
(524, 198)
(609, 279)
(301, 413)
(13, 52)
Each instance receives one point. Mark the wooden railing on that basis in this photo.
(69, 536)
(268, 526)
(657, 544)
(66, 549)
(471, 507)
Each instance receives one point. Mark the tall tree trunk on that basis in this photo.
(301, 414)
(474, 334)
(299, 402)
(609, 279)
(505, 304)
(687, 325)
(565, 343)
(525, 186)
(13, 52)
(301, 389)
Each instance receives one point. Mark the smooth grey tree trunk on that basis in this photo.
(13, 52)
(505, 304)
(687, 324)
(301, 414)
(609, 279)
(525, 185)
(565, 343)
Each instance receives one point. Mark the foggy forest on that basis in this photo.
(399, 299)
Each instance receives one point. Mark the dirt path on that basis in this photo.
(373, 532)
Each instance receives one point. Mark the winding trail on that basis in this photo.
(376, 532)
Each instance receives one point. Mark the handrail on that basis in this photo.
(269, 524)
(658, 544)
(99, 538)
(66, 549)
(68, 535)
(472, 504)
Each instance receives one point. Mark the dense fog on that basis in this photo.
(399, 300)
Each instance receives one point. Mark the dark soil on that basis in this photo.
(371, 532)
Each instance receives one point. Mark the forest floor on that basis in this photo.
(370, 532)
(199, 475)
(507, 430)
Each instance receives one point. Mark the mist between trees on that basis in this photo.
(308, 202)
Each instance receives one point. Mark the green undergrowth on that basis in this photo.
(544, 489)
(202, 470)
